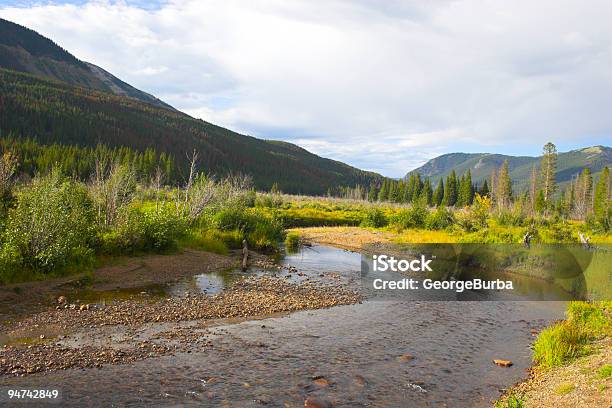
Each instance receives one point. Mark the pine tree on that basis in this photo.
(460, 192)
(373, 193)
(504, 186)
(383, 194)
(493, 186)
(533, 187)
(466, 190)
(409, 189)
(438, 195)
(484, 190)
(548, 170)
(418, 186)
(450, 191)
(601, 203)
(426, 193)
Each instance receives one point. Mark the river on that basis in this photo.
(373, 354)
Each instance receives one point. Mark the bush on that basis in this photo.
(439, 219)
(142, 230)
(261, 230)
(591, 316)
(292, 241)
(413, 217)
(52, 224)
(374, 218)
(205, 241)
(514, 217)
(266, 234)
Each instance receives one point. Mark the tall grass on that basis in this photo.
(563, 342)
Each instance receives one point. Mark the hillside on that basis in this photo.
(49, 95)
(24, 50)
(482, 164)
(54, 112)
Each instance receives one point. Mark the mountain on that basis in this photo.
(49, 95)
(481, 165)
(24, 50)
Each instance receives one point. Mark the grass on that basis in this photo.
(512, 401)
(564, 389)
(605, 372)
(563, 342)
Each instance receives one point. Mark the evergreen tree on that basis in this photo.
(393, 192)
(533, 187)
(601, 203)
(373, 193)
(450, 191)
(383, 194)
(409, 189)
(493, 186)
(418, 186)
(426, 193)
(484, 190)
(466, 190)
(504, 186)
(438, 195)
(460, 196)
(548, 170)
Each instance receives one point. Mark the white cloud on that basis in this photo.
(380, 86)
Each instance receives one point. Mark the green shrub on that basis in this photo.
(513, 217)
(266, 234)
(559, 344)
(439, 219)
(142, 230)
(52, 224)
(292, 241)
(374, 218)
(413, 217)
(591, 316)
(205, 240)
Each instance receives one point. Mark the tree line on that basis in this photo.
(580, 200)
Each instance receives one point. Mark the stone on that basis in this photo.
(316, 403)
(406, 357)
(503, 363)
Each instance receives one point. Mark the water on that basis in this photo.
(356, 348)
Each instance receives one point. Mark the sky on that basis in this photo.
(383, 86)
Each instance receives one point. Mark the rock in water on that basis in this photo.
(503, 363)
(317, 403)
(406, 357)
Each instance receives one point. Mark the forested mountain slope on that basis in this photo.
(569, 164)
(48, 95)
(55, 112)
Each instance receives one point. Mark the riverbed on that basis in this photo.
(377, 353)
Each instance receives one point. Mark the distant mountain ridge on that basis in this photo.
(481, 165)
(49, 95)
(24, 50)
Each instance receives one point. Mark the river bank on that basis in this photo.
(124, 313)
